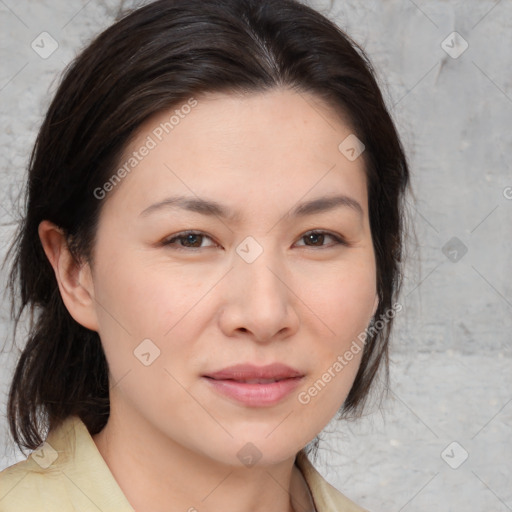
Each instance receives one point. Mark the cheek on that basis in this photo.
(343, 303)
(342, 299)
(146, 300)
(137, 303)
(142, 322)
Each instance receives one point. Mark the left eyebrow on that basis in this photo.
(212, 208)
(323, 204)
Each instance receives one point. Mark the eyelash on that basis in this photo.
(181, 236)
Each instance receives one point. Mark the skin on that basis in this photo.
(171, 441)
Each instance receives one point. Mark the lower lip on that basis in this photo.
(256, 395)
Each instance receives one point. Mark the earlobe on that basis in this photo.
(74, 279)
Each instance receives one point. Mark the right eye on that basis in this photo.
(188, 240)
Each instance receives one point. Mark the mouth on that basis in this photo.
(256, 374)
(255, 386)
(253, 381)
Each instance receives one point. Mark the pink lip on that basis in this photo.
(249, 372)
(232, 382)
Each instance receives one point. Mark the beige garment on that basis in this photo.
(68, 474)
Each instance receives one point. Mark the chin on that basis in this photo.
(262, 445)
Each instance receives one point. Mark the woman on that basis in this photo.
(213, 244)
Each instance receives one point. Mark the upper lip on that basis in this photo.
(244, 372)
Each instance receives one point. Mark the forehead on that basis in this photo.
(274, 146)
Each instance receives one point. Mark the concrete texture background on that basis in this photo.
(451, 355)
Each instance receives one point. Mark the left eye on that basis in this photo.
(319, 236)
(193, 240)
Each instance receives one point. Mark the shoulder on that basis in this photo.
(325, 496)
(26, 486)
(65, 474)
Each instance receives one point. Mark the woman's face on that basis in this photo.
(251, 177)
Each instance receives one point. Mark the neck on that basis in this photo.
(157, 474)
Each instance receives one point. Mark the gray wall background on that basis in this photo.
(451, 356)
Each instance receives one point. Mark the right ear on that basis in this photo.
(73, 278)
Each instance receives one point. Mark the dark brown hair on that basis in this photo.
(149, 61)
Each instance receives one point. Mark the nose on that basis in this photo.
(259, 300)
